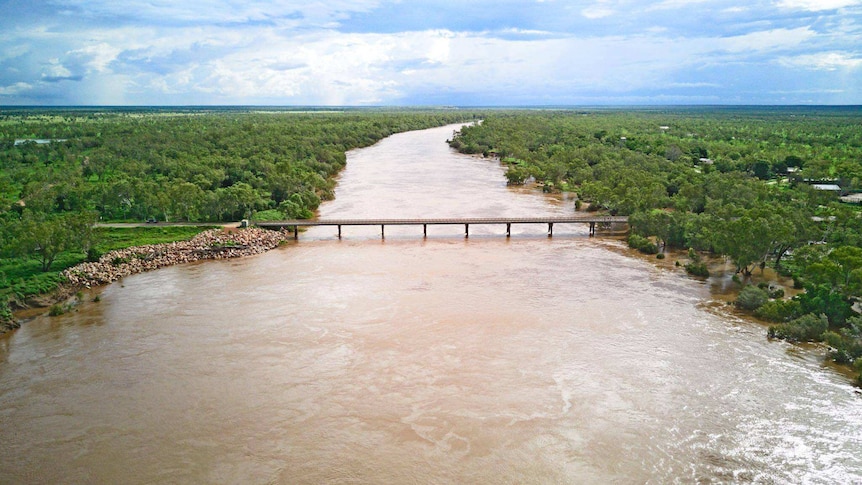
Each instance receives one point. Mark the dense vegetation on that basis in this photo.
(63, 170)
(737, 182)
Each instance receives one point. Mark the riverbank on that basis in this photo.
(220, 243)
(212, 244)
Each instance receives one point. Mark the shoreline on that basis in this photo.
(211, 244)
(224, 243)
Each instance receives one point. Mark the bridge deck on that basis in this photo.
(466, 221)
(438, 221)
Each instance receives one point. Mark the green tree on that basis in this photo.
(841, 269)
(185, 200)
(238, 201)
(43, 237)
(751, 298)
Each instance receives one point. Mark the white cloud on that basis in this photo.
(810, 91)
(14, 51)
(673, 4)
(816, 5)
(597, 12)
(99, 56)
(15, 89)
(767, 40)
(694, 85)
(525, 32)
(286, 51)
(824, 61)
(55, 69)
(221, 11)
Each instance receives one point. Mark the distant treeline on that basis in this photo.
(760, 186)
(191, 166)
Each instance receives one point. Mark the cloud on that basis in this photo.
(15, 89)
(597, 12)
(213, 12)
(97, 57)
(389, 51)
(694, 85)
(674, 4)
(56, 79)
(55, 72)
(13, 51)
(767, 40)
(810, 91)
(823, 61)
(286, 65)
(817, 5)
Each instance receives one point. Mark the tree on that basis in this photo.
(741, 235)
(185, 198)
(751, 298)
(761, 169)
(43, 237)
(841, 270)
(238, 200)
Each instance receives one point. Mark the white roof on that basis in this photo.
(830, 187)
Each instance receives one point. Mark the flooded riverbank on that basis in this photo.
(438, 360)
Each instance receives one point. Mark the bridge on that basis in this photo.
(602, 221)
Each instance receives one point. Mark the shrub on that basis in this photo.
(775, 293)
(93, 255)
(697, 269)
(807, 328)
(846, 344)
(56, 310)
(751, 298)
(7, 320)
(269, 215)
(642, 244)
(119, 260)
(659, 256)
(779, 310)
(516, 175)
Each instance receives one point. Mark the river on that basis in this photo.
(407, 360)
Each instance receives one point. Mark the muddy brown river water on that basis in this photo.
(409, 360)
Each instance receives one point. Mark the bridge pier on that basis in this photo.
(592, 229)
(466, 230)
(382, 231)
(339, 231)
(296, 232)
(550, 229)
(508, 229)
(424, 230)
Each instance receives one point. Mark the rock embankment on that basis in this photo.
(212, 244)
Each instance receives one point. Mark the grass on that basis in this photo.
(119, 238)
(22, 278)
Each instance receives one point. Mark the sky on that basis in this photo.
(440, 53)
